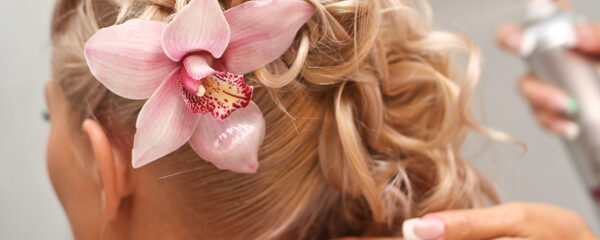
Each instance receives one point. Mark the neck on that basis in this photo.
(151, 213)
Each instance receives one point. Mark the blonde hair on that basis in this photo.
(364, 115)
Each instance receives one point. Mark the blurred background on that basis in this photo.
(30, 210)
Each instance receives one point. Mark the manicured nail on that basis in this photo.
(423, 229)
(572, 107)
(567, 106)
(568, 130)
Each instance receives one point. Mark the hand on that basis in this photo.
(551, 105)
(512, 220)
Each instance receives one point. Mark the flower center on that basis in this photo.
(192, 85)
(196, 68)
(219, 93)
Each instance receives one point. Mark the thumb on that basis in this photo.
(487, 223)
(589, 39)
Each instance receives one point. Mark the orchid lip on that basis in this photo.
(197, 67)
(219, 93)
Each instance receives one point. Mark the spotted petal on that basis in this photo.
(199, 26)
(224, 93)
(128, 58)
(261, 31)
(163, 125)
(233, 143)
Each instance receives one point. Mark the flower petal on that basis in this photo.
(261, 31)
(199, 26)
(163, 125)
(233, 143)
(224, 93)
(128, 58)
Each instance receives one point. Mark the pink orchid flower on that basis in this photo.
(194, 66)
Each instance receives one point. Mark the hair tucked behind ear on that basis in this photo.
(365, 119)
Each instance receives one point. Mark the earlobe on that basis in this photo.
(112, 172)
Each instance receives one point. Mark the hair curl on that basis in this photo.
(364, 118)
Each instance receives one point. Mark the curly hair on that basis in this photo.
(365, 116)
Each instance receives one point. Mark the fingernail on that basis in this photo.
(572, 107)
(568, 130)
(423, 229)
(565, 105)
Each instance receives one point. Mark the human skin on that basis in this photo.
(550, 105)
(534, 221)
(99, 192)
(525, 220)
(103, 197)
(78, 192)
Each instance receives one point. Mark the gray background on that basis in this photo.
(29, 209)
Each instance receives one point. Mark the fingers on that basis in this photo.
(511, 220)
(558, 125)
(509, 37)
(545, 96)
(551, 106)
(588, 37)
(487, 223)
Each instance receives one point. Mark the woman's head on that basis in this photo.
(364, 120)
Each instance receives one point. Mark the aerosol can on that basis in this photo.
(548, 40)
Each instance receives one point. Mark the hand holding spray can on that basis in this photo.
(548, 40)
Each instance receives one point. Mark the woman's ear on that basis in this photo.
(113, 171)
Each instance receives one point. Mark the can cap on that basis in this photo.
(548, 26)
